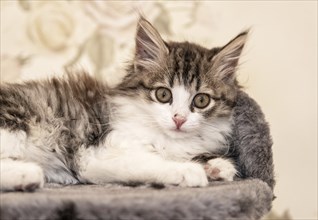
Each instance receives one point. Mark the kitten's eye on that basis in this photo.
(201, 100)
(163, 95)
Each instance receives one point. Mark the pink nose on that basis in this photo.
(179, 120)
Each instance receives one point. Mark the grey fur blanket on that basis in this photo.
(246, 198)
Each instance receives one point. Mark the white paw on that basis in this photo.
(20, 176)
(220, 169)
(188, 175)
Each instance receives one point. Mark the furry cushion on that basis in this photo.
(249, 197)
(251, 142)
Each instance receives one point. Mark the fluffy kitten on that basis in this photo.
(174, 105)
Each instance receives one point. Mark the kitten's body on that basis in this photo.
(76, 130)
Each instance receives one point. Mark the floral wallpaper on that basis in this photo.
(98, 36)
(41, 38)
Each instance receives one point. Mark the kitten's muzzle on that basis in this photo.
(179, 120)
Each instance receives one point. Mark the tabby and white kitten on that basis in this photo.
(174, 105)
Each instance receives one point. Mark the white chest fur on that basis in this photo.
(134, 134)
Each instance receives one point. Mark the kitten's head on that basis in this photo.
(181, 88)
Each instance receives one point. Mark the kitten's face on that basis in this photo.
(180, 110)
(181, 88)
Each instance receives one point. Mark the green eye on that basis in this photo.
(201, 100)
(163, 95)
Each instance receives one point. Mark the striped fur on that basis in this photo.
(58, 116)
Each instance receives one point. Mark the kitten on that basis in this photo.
(174, 105)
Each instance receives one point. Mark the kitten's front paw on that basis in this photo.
(220, 169)
(194, 176)
(188, 175)
(20, 176)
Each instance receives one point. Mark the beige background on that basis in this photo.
(279, 65)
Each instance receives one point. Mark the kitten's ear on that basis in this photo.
(149, 44)
(225, 62)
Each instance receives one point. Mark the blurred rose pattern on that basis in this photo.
(51, 25)
(97, 36)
